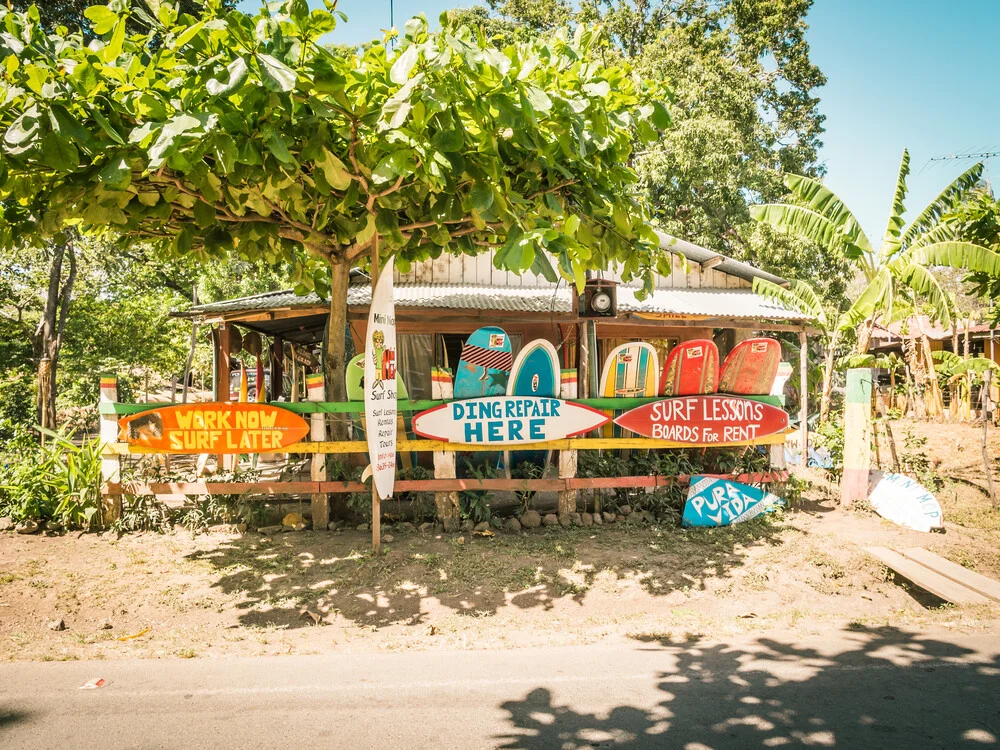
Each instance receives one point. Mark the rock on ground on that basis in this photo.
(468, 525)
(531, 519)
(625, 510)
(6, 523)
(28, 527)
(586, 519)
(609, 517)
(482, 526)
(598, 520)
(551, 519)
(576, 519)
(426, 526)
(512, 524)
(269, 530)
(57, 625)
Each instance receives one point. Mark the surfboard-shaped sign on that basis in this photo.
(506, 420)
(751, 367)
(705, 420)
(692, 368)
(904, 501)
(214, 428)
(719, 502)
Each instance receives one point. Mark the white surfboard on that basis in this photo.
(905, 502)
(506, 420)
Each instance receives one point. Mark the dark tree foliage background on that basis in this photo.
(69, 13)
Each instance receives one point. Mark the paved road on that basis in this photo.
(870, 689)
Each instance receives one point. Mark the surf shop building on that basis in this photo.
(453, 311)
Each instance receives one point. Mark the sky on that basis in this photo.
(916, 74)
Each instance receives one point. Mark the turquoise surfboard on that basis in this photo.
(719, 502)
(535, 372)
(484, 367)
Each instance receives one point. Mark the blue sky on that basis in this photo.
(919, 74)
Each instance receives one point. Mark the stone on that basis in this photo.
(609, 517)
(531, 519)
(461, 540)
(450, 524)
(598, 520)
(332, 526)
(586, 519)
(105, 625)
(576, 519)
(426, 526)
(362, 527)
(388, 538)
(27, 527)
(482, 526)
(7, 523)
(625, 510)
(296, 527)
(292, 519)
(551, 519)
(648, 517)
(564, 520)
(269, 530)
(468, 525)
(57, 625)
(407, 526)
(512, 524)
(241, 528)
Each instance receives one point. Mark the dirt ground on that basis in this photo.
(178, 595)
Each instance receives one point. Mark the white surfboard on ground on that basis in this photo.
(905, 502)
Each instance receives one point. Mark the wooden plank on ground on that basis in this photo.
(968, 578)
(925, 578)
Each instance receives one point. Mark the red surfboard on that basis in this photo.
(692, 368)
(705, 420)
(751, 367)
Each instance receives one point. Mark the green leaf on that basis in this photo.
(334, 170)
(179, 125)
(400, 71)
(114, 47)
(601, 89)
(824, 201)
(661, 116)
(481, 196)
(116, 174)
(276, 145)
(540, 101)
(892, 230)
(59, 153)
(188, 34)
(238, 72)
(276, 75)
(944, 202)
(959, 255)
(204, 214)
(448, 141)
(798, 221)
(366, 234)
(102, 19)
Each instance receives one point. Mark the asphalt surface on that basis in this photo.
(881, 688)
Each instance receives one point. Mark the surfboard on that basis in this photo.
(507, 420)
(354, 378)
(751, 367)
(691, 369)
(719, 502)
(535, 372)
(905, 502)
(629, 372)
(484, 366)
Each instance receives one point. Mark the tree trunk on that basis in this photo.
(190, 358)
(49, 334)
(968, 325)
(334, 362)
(824, 403)
(935, 402)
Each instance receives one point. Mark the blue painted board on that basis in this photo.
(535, 372)
(484, 367)
(720, 502)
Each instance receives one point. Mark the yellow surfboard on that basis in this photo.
(631, 371)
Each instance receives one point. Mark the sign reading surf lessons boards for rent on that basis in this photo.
(214, 428)
(705, 420)
(507, 420)
(380, 384)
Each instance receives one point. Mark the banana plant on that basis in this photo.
(901, 267)
(961, 373)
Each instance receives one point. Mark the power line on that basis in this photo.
(967, 155)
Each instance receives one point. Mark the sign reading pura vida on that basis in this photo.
(705, 420)
(507, 420)
(214, 428)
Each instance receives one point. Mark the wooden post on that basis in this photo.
(110, 465)
(277, 368)
(316, 392)
(804, 396)
(376, 500)
(857, 436)
(567, 459)
(444, 464)
(987, 376)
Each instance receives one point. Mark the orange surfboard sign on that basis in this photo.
(214, 428)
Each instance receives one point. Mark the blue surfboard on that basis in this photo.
(484, 367)
(720, 502)
(535, 372)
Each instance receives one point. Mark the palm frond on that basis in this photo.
(923, 282)
(876, 295)
(961, 255)
(891, 239)
(824, 201)
(798, 296)
(946, 200)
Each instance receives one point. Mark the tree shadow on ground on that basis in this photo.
(277, 578)
(886, 689)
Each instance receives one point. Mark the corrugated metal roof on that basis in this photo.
(720, 303)
(267, 301)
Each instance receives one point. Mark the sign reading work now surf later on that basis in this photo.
(507, 420)
(214, 428)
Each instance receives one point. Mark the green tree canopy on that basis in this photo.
(243, 134)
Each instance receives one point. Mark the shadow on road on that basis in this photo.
(891, 689)
(278, 577)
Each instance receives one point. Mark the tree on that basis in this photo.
(744, 110)
(244, 135)
(901, 269)
(71, 14)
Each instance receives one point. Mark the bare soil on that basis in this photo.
(219, 594)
